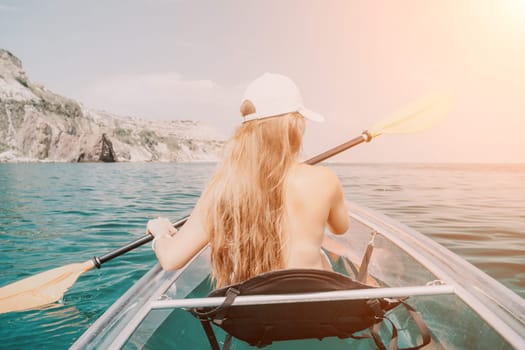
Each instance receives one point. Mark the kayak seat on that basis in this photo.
(260, 325)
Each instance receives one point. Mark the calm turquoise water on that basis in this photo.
(54, 214)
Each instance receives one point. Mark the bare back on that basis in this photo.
(314, 199)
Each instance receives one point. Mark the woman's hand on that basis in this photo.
(160, 227)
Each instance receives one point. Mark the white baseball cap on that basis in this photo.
(275, 94)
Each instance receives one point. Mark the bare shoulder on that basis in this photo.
(320, 172)
(321, 176)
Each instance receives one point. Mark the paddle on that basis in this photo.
(419, 116)
(49, 286)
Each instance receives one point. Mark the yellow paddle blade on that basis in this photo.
(421, 115)
(41, 289)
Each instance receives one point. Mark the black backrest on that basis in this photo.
(260, 325)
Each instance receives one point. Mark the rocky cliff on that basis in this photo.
(39, 125)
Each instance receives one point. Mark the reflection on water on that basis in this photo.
(55, 214)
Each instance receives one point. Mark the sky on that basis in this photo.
(356, 62)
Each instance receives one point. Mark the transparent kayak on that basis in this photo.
(463, 307)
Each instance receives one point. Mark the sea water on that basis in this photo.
(55, 214)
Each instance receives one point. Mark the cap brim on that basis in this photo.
(311, 115)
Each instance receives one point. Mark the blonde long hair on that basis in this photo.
(245, 215)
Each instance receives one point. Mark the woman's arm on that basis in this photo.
(174, 251)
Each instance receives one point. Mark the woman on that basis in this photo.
(262, 210)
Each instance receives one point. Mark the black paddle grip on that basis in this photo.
(98, 261)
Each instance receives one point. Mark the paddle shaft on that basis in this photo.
(365, 136)
(98, 261)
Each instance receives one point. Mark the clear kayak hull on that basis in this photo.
(462, 306)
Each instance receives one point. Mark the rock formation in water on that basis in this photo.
(39, 125)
